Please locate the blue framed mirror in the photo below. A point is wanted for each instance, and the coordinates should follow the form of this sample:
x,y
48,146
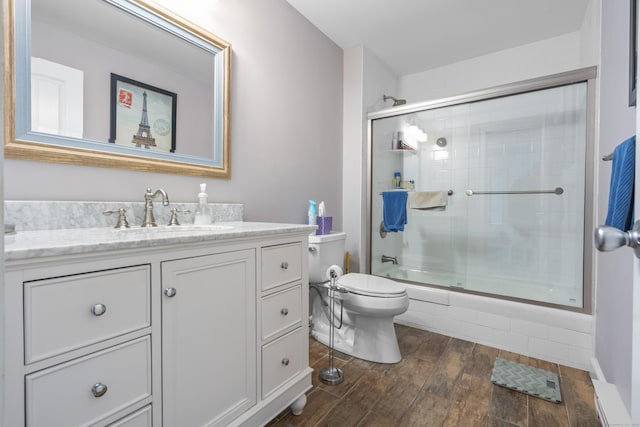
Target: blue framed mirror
x,y
61,107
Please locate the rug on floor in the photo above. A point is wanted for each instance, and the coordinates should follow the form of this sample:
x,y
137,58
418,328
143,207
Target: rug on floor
x,y
526,379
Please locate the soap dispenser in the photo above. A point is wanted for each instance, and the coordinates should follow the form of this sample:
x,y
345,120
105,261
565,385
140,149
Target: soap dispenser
x,y
203,211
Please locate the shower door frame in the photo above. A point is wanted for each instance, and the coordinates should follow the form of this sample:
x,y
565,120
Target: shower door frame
x,y
586,75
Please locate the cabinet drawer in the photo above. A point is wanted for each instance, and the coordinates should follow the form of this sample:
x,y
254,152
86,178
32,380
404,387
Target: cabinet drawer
x,y
281,264
67,313
140,418
281,360
281,311
65,395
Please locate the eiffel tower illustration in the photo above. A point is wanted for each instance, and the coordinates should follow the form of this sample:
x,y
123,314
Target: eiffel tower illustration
x,y
144,137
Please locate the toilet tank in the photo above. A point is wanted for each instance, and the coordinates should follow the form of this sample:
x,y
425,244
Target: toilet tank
x,y
324,251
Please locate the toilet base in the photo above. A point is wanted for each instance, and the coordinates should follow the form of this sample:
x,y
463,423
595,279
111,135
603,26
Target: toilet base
x,y
374,341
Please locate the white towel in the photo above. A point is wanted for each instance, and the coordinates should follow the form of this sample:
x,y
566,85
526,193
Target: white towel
x,y
427,200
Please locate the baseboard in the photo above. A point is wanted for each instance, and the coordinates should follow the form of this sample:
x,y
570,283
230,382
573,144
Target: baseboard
x,y
596,371
609,405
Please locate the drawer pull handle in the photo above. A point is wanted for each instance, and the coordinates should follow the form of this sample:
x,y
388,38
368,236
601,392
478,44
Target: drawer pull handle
x,y
284,311
285,361
98,389
170,292
99,309
284,265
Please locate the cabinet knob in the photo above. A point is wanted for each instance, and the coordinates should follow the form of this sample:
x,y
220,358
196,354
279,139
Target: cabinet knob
x,y
285,361
170,292
98,309
98,389
284,311
284,265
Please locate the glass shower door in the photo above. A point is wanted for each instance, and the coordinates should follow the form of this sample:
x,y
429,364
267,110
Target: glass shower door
x,y
513,169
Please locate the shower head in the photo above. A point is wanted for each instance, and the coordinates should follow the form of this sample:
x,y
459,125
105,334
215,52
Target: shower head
x,y
396,101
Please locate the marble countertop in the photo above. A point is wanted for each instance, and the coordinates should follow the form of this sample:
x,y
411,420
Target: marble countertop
x,y
43,243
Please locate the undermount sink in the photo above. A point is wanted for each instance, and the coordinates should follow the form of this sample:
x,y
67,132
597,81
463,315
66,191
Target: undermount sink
x,y
189,228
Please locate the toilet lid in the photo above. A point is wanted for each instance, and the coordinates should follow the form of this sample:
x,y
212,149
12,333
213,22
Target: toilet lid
x,y
366,284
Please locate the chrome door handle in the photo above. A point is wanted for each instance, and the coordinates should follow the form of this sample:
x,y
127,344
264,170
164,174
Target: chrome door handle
x,y
609,238
284,311
285,361
170,292
284,265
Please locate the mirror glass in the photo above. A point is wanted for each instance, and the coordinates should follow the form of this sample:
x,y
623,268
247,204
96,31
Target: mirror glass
x,y
120,84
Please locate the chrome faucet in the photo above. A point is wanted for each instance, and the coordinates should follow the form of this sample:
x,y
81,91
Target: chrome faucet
x,y
391,259
149,220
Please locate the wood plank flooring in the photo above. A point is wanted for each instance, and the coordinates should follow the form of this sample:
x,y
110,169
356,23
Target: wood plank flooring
x,y
441,381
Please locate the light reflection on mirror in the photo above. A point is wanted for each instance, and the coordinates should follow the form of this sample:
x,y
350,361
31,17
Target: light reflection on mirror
x,y
74,48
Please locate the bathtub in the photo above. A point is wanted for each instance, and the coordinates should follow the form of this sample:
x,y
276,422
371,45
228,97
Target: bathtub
x,y
547,333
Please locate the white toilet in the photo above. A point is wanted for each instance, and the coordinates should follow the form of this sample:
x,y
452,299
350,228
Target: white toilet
x,y
363,310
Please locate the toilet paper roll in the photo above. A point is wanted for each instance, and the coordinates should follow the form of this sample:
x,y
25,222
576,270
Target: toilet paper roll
x,y
337,271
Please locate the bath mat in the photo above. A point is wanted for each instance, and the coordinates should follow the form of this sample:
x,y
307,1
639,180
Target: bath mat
x,y
526,379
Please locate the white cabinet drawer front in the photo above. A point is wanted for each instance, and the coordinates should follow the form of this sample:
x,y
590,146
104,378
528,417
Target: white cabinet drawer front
x,y
70,394
281,360
281,311
71,312
140,418
281,264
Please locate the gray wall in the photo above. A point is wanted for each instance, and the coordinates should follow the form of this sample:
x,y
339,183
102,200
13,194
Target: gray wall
x,y
614,283
366,79
286,123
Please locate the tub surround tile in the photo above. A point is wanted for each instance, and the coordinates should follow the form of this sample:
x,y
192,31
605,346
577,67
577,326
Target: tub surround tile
x,y
462,314
528,328
544,349
580,357
493,321
533,313
512,326
423,293
569,337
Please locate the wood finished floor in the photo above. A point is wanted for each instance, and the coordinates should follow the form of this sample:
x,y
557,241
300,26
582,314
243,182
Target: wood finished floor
x,y
441,381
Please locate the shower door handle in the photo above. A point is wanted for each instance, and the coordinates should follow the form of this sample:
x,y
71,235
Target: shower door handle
x,y
609,238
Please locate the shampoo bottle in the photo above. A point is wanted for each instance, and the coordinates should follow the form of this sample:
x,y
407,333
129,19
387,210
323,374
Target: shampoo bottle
x,y
312,215
203,211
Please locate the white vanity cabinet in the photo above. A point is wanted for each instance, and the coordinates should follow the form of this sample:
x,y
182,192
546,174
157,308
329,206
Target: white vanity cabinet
x,y
79,346
208,338
281,326
201,332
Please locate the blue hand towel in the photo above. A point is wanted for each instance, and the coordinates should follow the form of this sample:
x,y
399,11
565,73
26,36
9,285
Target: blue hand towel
x,y
620,210
394,210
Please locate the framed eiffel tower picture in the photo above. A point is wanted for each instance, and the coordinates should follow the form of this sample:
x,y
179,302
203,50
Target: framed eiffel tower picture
x,y
142,116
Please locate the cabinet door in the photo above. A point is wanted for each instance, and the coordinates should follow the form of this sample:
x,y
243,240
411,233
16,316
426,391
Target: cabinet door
x,y
208,338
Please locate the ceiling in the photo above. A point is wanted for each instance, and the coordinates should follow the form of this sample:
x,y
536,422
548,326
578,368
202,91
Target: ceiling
x,y
416,35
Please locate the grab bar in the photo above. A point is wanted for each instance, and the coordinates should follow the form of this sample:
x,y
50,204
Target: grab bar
x,y
557,190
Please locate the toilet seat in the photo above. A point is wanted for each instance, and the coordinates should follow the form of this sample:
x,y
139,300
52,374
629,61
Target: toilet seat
x,y
371,286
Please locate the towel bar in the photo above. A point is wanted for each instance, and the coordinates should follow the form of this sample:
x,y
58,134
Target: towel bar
x,y
557,190
608,157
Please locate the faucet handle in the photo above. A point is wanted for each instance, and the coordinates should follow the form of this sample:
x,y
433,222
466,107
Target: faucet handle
x,y
174,215
122,217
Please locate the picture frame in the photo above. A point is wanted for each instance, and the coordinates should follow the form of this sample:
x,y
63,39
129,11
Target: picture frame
x,y
142,116
633,51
